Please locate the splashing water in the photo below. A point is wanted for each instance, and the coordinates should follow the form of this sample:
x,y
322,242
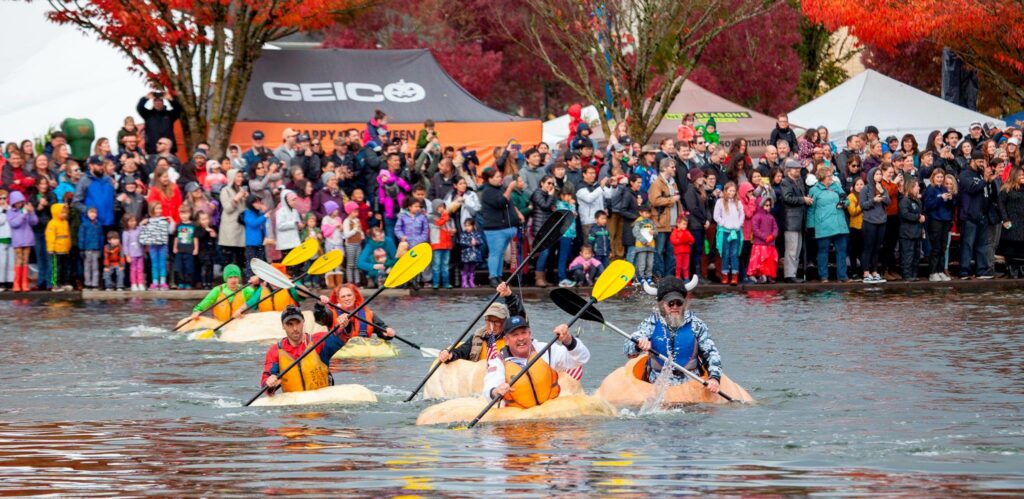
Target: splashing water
x,y
661,385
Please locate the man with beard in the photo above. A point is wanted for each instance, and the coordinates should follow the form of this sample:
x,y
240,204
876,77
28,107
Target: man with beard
x,y
540,384
672,330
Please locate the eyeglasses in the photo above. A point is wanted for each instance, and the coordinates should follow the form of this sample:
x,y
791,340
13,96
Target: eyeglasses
x,y
3,198
675,303
700,143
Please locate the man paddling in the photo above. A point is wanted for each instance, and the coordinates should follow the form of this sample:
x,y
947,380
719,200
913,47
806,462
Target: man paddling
x,y
312,372
490,335
232,290
540,384
677,333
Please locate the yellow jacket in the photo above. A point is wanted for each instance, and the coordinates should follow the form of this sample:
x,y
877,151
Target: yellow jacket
x,y
58,232
855,211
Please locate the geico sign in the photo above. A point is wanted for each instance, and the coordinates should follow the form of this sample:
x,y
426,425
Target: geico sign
x,y
400,91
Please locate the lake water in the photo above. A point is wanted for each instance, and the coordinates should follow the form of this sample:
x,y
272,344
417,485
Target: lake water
x,y
863,392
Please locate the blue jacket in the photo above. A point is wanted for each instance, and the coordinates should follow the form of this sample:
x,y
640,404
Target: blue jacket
x,y
255,227
973,202
96,192
366,262
90,235
936,208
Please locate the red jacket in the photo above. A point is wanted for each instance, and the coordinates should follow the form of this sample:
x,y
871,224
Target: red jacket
x,y
682,241
326,350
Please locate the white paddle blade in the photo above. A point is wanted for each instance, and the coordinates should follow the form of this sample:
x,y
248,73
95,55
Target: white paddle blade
x,y
267,273
429,352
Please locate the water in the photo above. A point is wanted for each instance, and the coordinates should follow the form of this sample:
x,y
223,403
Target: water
x,y
859,393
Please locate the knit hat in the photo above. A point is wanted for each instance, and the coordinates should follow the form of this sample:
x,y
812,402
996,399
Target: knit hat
x,y
326,176
351,206
232,270
330,207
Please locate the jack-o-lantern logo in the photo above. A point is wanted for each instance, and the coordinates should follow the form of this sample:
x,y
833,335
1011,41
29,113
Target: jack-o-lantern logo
x,y
403,91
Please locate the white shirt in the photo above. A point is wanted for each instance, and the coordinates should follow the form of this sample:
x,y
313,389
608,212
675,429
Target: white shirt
x,y
559,358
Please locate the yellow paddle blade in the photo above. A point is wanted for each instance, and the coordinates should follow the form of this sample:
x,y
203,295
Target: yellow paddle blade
x,y
412,264
613,279
301,253
326,263
205,335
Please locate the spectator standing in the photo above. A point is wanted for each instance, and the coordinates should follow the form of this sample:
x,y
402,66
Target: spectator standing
x,y
499,221
911,229
796,201
665,201
1011,244
782,131
231,232
159,120
939,204
827,214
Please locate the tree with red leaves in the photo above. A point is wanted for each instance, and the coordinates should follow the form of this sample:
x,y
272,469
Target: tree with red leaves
x,y
201,52
987,34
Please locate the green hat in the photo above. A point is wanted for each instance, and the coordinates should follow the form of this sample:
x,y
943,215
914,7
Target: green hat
x,y
232,270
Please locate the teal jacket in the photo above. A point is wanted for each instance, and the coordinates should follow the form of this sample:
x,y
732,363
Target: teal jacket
x,y
826,215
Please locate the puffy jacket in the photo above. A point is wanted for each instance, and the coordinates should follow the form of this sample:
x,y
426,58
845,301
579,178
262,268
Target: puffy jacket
x,y
90,236
58,232
590,198
826,215
255,224
21,223
98,192
910,216
286,225
414,229
764,227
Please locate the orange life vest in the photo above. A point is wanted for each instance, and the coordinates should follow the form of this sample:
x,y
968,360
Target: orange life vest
x,y
278,302
226,308
537,386
310,374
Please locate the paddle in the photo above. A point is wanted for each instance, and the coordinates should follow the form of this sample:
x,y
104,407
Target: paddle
x,y
612,280
572,303
549,233
274,277
297,255
412,264
326,263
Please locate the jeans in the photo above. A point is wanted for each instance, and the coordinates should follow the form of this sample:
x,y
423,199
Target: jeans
x,y
731,255
158,263
253,252
42,262
184,265
644,263
92,268
873,236
564,248
439,268
973,243
698,250
113,277
497,241
794,239
839,240
664,255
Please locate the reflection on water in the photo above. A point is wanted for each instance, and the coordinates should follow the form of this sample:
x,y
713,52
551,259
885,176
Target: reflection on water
x,y
860,393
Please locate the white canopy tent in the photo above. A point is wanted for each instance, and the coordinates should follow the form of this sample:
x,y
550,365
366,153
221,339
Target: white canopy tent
x,y
52,72
557,130
895,108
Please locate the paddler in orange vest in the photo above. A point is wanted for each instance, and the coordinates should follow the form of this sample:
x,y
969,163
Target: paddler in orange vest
x,y
489,336
540,384
281,299
347,297
313,371
231,289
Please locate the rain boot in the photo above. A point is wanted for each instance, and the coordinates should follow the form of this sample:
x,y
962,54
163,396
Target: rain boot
x,y
17,279
734,280
464,277
25,286
539,280
472,279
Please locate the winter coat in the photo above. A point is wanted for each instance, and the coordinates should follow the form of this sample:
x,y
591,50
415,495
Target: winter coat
x,y
795,208
169,205
97,192
854,210
973,202
600,240
230,233
765,229
1013,207
159,124
826,215
58,232
415,229
90,235
910,212
786,134
441,228
590,198
873,212
498,212
286,225
470,253
696,209
643,228
571,231
543,207
936,208
130,242
660,198
21,223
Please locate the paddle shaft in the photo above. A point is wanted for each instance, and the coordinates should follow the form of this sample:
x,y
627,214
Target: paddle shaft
x,y
257,304
313,347
211,307
664,358
469,328
360,319
530,364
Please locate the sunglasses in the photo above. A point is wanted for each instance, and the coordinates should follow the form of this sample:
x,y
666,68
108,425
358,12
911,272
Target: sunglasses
x,y
676,303
3,199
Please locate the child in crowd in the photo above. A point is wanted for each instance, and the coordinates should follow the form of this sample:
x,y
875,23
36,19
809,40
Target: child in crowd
x,y
353,232
729,216
470,242
21,217
599,238
380,262
58,245
90,242
113,263
566,202
255,223
643,233
682,246
441,230
334,238
585,268
364,211
130,201
215,179
310,229
133,252
764,257
856,220
412,228
6,250
206,239
153,234
186,247
685,132
911,228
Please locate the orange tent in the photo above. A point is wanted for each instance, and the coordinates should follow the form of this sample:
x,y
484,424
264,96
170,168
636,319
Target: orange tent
x,y
324,92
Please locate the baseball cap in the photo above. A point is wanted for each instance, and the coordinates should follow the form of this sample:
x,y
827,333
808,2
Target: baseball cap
x,y
871,129
1013,140
977,154
513,323
288,132
303,137
257,135
291,312
974,124
498,310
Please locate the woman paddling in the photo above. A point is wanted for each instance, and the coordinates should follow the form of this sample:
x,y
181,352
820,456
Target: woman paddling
x,y
347,297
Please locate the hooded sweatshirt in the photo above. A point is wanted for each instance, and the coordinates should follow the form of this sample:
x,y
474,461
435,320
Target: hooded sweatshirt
x,y
21,222
764,226
873,212
414,229
255,222
287,223
58,232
